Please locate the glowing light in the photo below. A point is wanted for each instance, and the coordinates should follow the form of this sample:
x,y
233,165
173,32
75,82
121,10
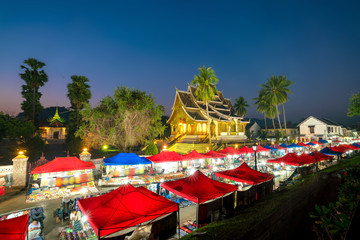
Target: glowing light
x,y
192,171
105,147
85,149
21,153
84,218
162,180
236,146
164,147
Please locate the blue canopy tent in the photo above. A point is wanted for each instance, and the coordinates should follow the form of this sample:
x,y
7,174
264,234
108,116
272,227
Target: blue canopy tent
x,y
356,144
311,144
293,145
126,159
328,151
284,145
271,148
323,141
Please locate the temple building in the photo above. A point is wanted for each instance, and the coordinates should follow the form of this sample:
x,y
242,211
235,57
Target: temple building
x,y
189,116
55,128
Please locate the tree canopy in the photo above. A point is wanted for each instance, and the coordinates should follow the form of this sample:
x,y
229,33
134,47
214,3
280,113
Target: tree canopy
x,y
128,118
34,77
240,106
14,128
354,106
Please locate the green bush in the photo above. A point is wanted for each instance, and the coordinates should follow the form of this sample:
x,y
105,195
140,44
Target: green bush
x,y
151,149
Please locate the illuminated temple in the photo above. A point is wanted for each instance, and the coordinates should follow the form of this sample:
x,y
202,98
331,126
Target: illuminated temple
x,y
189,116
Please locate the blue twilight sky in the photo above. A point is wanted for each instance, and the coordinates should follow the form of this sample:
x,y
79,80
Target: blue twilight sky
x,y
156,46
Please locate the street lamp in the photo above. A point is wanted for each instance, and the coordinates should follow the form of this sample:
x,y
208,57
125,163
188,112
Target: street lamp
x,y
255,147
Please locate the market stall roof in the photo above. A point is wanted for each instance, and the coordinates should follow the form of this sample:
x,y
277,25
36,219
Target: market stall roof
x,y
198,188
340,149
328,151
311,144
289,159
193,155
271,148
356,145
351,146
230,151
293,145
246,150
63,164
14,228
303,144
336,141
212,154
124,207
307,158
166,156
262,149
283,145
323,141
126,159
280,147
315,142
320,156
245,174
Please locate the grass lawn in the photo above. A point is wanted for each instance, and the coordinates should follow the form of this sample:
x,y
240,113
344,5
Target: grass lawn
x,y
237,226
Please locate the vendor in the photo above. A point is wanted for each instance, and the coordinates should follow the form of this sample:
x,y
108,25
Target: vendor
x,y
34,231
75,218
35,186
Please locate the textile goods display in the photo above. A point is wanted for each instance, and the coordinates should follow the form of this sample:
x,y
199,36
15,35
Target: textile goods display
x,y
14,228
166,156
126,159
63,164
198,188
245,174
124,207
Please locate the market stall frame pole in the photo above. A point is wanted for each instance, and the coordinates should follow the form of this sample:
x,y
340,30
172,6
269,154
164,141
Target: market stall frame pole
x,y
98,234
178,213
197,216
255,149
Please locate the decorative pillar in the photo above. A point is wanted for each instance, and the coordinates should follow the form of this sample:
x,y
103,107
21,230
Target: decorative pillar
x,y
20,170
85,155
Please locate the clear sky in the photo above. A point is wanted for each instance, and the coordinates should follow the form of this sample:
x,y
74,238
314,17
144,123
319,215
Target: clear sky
x,y
156,46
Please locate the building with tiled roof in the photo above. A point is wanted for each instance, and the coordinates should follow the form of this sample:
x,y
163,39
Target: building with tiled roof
x,y
189,116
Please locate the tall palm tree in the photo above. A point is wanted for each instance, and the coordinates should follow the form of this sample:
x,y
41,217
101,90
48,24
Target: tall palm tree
x,y
285,84
34,77
261,104
205,89
274,94
78,94
240,106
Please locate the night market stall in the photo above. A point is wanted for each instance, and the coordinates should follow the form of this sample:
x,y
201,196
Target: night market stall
x,y
252,184
61,177
213,198
14,228
128,209
126,168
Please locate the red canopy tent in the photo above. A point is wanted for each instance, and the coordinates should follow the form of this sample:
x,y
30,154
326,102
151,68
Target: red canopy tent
x,y
262,149
229,151
289,159
246,150
198,188
166,156
63,164
193,155
316,142
320,156
307,158
245,174
14,228
302,144
340,149
212,154
352,147
123,208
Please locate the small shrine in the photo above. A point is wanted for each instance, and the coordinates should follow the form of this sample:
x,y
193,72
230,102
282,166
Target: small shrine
x,y
55,129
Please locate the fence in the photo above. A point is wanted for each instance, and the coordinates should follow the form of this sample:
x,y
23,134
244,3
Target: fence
x,y
6,178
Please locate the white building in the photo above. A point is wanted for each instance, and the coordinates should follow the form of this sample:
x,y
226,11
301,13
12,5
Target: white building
x,y
314,128
254,129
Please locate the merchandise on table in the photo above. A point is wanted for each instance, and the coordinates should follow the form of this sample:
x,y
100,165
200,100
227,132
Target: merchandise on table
x,y
134,180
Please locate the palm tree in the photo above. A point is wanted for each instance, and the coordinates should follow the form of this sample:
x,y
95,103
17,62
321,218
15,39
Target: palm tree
x,y
34,77
205,89
240,106
78,94
285,84
262,104
274,94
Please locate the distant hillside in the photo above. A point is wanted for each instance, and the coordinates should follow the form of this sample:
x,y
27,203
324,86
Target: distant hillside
x,y
49,112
